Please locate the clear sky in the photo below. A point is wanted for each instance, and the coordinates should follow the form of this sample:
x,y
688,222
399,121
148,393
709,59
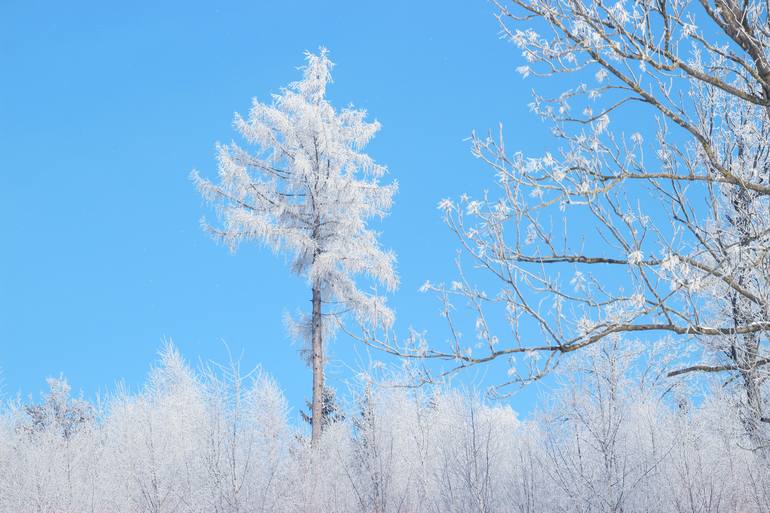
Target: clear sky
x,y
106,107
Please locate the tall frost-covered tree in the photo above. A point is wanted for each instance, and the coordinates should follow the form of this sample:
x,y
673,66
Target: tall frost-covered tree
x,y
307,190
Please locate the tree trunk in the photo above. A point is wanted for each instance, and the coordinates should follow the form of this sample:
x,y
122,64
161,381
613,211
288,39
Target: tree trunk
x,y
317,356
745,348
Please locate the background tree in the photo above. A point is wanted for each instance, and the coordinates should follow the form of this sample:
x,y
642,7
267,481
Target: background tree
x,y
657,222
59,412
56,462
331,410
307,190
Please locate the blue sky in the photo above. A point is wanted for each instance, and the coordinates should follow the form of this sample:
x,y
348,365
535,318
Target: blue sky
x,y
106,107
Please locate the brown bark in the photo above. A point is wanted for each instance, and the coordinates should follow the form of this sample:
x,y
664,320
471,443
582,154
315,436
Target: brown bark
x,y
317,350
318,367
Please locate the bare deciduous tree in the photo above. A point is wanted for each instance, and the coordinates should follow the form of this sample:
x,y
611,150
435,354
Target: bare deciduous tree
x,y
650,217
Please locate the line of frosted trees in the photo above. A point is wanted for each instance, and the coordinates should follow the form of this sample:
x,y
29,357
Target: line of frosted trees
x,y
615,437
